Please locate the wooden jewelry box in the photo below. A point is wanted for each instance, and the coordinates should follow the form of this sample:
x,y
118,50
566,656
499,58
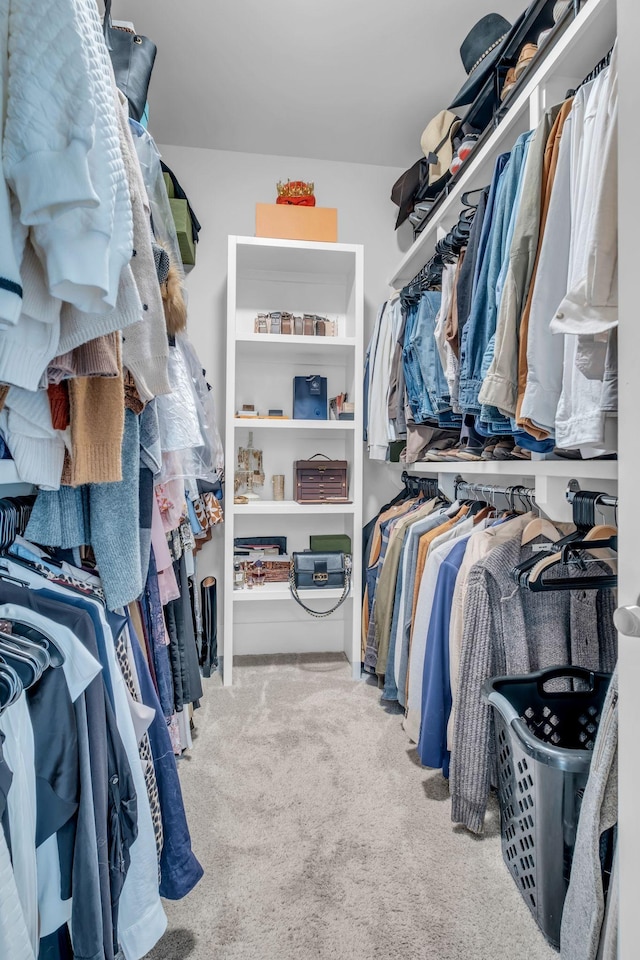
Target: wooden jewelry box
x,y
320,481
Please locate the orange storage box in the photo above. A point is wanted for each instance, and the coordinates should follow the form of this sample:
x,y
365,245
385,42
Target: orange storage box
x,y
282,221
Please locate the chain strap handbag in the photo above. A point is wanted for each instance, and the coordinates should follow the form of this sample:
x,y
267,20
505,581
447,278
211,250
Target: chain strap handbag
x,y
320,571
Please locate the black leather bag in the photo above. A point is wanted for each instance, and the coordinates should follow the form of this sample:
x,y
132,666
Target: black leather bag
x,y
132,57
250,544
320,571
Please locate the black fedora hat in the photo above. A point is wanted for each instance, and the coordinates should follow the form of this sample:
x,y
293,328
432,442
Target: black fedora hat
x,y
480,50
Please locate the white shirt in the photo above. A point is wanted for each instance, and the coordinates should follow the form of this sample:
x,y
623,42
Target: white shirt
x,y
380,370
14,936
19,754
544,350
416,530
582,410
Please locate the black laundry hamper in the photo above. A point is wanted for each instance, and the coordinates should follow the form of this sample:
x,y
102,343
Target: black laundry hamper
x,y
545,729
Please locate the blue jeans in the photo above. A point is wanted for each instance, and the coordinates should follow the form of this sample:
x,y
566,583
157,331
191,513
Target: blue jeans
x,y
481,327
179,868
424,344
417,396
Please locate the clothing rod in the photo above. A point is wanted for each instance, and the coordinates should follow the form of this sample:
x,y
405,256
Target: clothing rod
x,y
416,476
604,499
515,490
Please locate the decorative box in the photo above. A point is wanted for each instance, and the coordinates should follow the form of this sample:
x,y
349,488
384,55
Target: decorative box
x,y
285,222
275,569
330,543
319,481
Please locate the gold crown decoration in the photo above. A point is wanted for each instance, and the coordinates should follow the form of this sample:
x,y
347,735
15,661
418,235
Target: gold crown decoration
x,y
295,188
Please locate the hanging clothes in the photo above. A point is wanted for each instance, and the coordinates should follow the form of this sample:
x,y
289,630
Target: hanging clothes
x,y
445,615
530,358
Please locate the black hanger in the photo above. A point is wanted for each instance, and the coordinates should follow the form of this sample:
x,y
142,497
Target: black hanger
x,y
427,486
570,550
466,202
598,69
446,251
14,516
540,584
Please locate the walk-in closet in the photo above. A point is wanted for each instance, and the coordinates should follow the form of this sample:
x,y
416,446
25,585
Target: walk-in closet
x,y
319,522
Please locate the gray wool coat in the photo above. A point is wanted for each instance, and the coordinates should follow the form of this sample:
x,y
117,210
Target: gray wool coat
x,y
509,630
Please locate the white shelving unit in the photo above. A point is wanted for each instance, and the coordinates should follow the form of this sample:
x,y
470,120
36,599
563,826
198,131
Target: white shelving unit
x,y
585,41
301,277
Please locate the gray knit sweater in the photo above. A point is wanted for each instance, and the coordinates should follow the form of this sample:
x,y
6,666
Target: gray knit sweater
x,y
511,630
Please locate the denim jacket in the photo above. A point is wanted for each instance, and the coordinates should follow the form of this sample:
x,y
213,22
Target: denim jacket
x,y
482,322
417,396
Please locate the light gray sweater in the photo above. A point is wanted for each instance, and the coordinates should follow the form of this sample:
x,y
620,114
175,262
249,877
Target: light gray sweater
x,y
511,630
145,349
585,935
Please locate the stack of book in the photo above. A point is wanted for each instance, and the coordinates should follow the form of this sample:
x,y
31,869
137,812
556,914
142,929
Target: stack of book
x,y
340,408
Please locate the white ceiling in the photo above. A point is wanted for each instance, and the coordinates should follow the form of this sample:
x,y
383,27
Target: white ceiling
x,y
350,80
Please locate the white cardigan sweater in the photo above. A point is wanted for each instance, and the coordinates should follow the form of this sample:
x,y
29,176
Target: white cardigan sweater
x,y
61,151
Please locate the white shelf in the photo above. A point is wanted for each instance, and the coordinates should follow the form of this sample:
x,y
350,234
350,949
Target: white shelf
x,y
589,37
263,423
290,508
281,591
304,257
582,469
275,341
8,472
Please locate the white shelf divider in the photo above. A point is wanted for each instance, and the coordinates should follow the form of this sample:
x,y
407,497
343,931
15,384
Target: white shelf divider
x,y
585,469
8,472
265,423
275,341
290,508
281,592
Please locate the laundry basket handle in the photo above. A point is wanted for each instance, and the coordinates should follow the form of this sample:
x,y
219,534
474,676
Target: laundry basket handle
x,y
569,673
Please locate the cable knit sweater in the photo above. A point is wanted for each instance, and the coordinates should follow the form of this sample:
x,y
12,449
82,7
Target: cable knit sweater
x,y
77,327
27,347
61,151
10,280
511,630
38,449
145,348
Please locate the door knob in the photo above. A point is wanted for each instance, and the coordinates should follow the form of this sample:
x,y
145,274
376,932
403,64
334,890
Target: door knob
x,y
627,621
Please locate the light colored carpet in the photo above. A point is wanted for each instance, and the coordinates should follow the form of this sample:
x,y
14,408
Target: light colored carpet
x,y
323,839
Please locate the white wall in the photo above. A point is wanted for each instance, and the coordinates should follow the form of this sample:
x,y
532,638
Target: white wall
x,y
224,188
